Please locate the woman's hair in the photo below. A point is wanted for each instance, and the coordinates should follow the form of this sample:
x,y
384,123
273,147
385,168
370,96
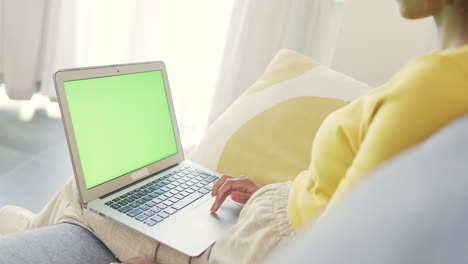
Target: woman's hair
x,y
415,9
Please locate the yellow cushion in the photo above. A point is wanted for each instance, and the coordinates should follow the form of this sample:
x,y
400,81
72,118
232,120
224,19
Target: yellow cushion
x,y
266,134
286,65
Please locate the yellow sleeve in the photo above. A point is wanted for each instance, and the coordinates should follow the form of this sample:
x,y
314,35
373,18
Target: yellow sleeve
x,y
426,95
333,151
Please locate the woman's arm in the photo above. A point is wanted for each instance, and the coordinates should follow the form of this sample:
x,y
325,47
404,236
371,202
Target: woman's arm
x,y
427,94
422,99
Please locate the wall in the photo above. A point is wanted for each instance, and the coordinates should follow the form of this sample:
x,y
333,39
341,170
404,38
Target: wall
x,y
375,41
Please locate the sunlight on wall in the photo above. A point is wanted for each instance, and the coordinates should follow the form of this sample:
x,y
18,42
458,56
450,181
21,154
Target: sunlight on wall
x,y
189,36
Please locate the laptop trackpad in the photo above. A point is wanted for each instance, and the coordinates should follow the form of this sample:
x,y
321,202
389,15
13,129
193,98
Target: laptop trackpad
x,y
226,215
196,230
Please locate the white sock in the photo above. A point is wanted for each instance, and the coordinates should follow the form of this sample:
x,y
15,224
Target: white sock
x,y
14,219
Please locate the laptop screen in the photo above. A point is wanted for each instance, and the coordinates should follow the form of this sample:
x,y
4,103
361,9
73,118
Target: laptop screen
x,y
121,123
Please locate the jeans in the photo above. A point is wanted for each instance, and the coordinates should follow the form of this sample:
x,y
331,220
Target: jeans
x,y
62,243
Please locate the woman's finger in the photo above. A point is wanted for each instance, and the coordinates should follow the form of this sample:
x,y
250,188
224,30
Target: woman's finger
x,y
221,195
138,260
230,185
219,183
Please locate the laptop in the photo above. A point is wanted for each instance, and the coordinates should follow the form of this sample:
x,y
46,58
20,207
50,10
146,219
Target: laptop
x,y
128,160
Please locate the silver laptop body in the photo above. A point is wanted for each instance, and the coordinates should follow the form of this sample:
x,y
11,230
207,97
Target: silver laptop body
x,y
110,113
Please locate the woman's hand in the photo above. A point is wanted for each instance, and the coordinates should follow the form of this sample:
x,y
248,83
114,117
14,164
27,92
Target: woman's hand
x,y
240,190
136,261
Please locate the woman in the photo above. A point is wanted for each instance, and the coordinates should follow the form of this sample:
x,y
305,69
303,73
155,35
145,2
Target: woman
x,y
427,94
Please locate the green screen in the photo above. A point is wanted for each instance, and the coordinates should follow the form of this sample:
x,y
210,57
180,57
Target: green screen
x,y
121,123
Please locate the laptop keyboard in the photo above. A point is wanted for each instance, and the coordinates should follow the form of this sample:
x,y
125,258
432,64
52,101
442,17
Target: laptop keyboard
x,y
155,201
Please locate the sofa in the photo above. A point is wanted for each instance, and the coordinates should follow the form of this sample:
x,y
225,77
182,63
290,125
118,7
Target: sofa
x,y
409,210
412,209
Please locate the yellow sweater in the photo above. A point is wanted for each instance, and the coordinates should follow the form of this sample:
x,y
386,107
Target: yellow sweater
x,y
427,94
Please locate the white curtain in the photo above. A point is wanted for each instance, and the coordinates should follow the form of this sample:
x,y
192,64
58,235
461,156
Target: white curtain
x,y
43,36
37,37
259,28
213,49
